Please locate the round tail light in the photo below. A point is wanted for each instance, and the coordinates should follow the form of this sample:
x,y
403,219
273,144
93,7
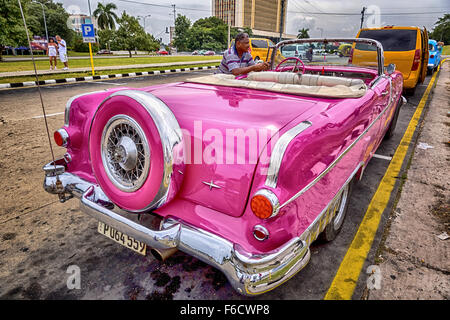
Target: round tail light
x,y
264,204
260,233
61,137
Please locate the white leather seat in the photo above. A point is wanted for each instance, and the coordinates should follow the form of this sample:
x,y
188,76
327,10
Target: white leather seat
x,y
305,79
264,81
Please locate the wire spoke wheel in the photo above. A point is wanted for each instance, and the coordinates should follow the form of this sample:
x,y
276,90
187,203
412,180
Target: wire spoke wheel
x,y
125,153
339,213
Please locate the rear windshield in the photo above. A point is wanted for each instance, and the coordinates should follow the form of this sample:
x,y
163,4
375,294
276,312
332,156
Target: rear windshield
x,y
259,43
391,39
431,47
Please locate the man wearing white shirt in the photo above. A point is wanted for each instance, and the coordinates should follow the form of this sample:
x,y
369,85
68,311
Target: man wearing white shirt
x,y
62,49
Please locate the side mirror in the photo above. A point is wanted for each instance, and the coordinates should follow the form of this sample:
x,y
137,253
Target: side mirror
x,y
390,69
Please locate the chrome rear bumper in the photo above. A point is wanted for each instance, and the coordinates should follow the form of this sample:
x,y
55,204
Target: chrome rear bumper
x,y
249,274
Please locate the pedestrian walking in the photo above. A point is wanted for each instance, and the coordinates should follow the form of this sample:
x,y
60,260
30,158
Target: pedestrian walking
x,y
62,49
52,51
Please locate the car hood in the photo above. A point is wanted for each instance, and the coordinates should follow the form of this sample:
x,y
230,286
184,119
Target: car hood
x,y
231,127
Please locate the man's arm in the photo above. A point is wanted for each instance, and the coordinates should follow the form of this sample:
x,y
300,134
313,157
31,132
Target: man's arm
x,y
245,70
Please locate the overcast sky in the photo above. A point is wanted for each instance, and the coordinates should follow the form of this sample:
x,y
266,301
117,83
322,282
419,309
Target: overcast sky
x,y
320,18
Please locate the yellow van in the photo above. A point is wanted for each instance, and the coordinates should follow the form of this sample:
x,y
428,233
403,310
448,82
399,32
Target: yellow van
x,y
406,47
259,48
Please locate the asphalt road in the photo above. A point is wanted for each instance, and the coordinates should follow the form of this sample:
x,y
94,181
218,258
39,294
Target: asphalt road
x,y
41,238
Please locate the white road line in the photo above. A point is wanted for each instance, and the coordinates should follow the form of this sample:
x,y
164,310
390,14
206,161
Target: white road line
x,y
379,156
48,115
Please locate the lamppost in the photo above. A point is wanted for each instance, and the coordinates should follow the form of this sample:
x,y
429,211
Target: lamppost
x,y
321,31
45,21
143,17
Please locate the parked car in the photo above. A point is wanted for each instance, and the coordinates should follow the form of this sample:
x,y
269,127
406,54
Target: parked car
x,y
158,173
104,51
297,50
195,53
406,47
162,52
209,53
435,55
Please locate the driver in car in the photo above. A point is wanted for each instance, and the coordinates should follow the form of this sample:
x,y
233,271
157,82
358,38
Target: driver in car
x,y
237,60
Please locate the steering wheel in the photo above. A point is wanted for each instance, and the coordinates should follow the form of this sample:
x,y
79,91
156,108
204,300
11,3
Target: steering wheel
x,y
292,58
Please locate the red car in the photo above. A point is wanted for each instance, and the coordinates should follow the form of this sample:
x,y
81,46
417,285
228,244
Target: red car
x,y
163,52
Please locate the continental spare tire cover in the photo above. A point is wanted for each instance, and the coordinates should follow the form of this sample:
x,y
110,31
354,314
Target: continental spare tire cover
x,y
136,150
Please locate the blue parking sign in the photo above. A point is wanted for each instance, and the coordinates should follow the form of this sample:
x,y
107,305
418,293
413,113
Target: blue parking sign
x,y
88,30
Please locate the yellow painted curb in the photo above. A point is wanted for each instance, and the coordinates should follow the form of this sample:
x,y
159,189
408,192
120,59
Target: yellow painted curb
x,y
346,278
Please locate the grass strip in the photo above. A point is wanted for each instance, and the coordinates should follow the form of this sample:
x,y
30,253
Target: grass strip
x,y
97,73
11,66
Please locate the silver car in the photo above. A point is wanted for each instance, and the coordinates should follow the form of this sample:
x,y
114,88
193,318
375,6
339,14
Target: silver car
x,y
294,50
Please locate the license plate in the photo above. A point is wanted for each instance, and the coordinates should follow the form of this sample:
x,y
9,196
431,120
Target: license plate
x,y
123,239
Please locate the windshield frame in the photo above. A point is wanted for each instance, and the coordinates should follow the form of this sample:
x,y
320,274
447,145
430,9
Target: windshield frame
x,y
380,51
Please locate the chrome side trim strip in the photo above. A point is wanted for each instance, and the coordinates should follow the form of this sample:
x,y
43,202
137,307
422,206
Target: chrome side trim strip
x,y
327,214
333,164
278,152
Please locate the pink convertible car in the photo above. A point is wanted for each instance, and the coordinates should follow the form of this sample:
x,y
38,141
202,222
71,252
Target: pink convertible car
x,y
242,173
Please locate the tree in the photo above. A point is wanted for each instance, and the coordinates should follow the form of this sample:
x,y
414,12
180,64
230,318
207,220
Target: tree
x,y
207,33
106,37
182,25
131,35
80,46
441,31
303,33
56,17
105,15
12,30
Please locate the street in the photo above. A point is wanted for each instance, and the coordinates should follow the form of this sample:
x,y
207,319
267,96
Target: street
x,y
41,238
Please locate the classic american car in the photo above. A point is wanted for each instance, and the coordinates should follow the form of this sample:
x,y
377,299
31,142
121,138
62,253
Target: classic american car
x,y
243,173
435,56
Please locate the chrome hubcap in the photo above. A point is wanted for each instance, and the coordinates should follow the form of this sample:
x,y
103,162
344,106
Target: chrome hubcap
x,y
125,153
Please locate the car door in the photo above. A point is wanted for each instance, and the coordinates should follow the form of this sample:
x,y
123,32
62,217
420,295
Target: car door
x,y
383,91
425,54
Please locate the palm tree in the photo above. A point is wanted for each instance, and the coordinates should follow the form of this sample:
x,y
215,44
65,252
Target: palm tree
x,y
303,33
105,16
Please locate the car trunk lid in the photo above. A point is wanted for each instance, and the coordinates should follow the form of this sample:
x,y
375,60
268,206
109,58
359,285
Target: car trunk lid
x,y
225,131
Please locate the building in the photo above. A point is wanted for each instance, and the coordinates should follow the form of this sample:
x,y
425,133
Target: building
x,y
76,20
264,17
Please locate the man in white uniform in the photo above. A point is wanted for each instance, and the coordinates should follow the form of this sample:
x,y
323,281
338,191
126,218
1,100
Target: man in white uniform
x,y
62,49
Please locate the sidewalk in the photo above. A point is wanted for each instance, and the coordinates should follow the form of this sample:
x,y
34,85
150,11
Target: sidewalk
x,y
132,66
415,261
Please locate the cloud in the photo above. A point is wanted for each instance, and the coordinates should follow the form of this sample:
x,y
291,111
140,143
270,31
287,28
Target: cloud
x,y
332,25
